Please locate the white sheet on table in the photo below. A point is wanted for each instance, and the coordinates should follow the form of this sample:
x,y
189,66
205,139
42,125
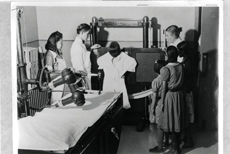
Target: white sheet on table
x,y
61,128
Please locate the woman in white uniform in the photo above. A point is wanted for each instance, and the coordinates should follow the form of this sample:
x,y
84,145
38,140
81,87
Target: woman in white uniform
x,y
172,35
55,62
80,56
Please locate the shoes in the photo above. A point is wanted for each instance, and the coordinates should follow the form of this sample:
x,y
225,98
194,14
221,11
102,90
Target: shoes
x,y
174,150
141,126
171,151
188,143
156,150
165,145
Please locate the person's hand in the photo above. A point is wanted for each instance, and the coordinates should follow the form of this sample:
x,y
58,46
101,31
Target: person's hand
x,y
95,46
163,49
83,73
72,69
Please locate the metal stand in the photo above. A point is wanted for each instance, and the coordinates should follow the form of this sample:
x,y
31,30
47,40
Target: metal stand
x,y
126,23
23,80
122,23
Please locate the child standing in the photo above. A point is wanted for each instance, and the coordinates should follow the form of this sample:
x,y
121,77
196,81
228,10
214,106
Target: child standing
x,y
171,118
155,107
184,51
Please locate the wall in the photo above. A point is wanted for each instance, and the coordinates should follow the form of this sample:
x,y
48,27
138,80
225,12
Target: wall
x,y
29,26
208,90
66,20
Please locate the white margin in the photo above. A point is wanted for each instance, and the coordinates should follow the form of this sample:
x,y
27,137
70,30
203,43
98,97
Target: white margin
x,y
96,3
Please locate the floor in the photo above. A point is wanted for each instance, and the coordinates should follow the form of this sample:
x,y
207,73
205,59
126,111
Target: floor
x,y
134,142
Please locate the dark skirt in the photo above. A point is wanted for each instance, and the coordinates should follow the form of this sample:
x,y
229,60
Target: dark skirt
x,y
172,117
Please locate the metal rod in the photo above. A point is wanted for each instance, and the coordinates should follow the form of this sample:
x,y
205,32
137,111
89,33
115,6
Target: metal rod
x,y
145,32
20,49
154,26
94,29
24,81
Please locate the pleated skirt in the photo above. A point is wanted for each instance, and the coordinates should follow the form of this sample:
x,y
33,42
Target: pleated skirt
x,y
171,118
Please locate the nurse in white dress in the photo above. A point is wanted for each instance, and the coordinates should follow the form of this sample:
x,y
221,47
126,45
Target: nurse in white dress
x,y
172,35
115,64
55,62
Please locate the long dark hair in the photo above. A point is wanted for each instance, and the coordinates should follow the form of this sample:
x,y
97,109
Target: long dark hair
x,y
184,47
52,40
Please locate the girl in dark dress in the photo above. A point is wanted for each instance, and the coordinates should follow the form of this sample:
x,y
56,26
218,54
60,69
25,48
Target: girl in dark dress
x,y
171,119
155,107
188,63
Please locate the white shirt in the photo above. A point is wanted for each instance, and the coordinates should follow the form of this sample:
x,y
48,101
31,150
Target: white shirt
x,y
178,40
80,58
114,69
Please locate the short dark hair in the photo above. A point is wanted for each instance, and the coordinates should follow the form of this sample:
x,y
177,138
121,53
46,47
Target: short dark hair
x,y
114,49
185,47
52,40
83,28
158,65
172,53
114,46
174,30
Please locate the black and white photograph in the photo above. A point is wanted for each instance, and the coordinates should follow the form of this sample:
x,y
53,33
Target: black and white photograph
x,y
117,77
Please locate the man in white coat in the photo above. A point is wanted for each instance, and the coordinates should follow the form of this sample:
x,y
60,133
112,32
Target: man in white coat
x,y
115,64
80,56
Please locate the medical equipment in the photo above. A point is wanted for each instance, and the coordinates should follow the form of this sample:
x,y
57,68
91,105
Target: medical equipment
x,y
23,81
67,76
100,79
144,56
71,79
144,23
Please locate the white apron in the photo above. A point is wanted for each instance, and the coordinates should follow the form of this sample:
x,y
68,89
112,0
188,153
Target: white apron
x,y
61,64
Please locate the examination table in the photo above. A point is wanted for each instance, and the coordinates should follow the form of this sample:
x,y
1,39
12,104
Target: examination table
x,y
93,128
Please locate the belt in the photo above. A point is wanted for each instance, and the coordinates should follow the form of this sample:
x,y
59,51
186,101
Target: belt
x,y
175,90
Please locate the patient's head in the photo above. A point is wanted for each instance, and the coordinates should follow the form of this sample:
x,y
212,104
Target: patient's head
x,y
114,49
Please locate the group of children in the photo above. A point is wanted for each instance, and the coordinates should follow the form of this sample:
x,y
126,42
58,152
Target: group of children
x,y
172,105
